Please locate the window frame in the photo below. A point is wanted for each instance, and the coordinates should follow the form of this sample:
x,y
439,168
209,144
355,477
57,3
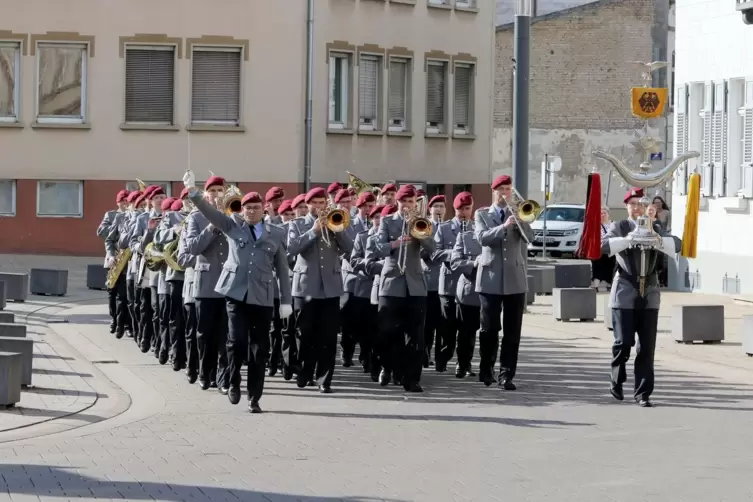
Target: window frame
x,y
470,127
12,213
85,47
80,199
442,130
379,123
16,79
201,47
346,98
466,4
149,47
406,126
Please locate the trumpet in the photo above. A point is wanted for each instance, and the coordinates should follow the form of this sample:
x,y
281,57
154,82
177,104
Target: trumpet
x,y
416,225
333,220
525,210
231,202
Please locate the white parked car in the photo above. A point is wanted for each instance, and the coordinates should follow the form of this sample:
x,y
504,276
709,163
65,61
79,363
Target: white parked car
x,y
564,227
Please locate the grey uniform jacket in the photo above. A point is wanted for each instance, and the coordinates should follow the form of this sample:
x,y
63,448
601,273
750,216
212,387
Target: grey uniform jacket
x,y
364,270
248,274
140,238
318,268
463,261
502,270
117,238
209,247
357,225
624,289
445,238
274,220
187,261
126,226
374,263
391,281
103,230
432,266
165,234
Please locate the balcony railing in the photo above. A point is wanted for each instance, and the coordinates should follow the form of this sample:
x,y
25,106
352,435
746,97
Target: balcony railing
x,y
744,4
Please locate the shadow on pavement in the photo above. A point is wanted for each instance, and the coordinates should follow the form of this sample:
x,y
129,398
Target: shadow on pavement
x,y
53,481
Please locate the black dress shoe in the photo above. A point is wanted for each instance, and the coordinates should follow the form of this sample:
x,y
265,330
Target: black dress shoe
x,y
469,371
374,376
144,348
486,379
271,371
413,387
644,403
224,391
287,373
119,334
234,395
177,366
460,372
325,389
112,328
616,390
191,377
253,407
347,362
203,384
128,333
301,382
384,378
213,384
507,384
163,357
311,383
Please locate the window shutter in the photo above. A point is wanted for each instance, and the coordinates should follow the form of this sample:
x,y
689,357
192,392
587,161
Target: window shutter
x,y
747,189
397,93
707,161
150,82
719,158
216,86
681,138
463,76
435,95
368,90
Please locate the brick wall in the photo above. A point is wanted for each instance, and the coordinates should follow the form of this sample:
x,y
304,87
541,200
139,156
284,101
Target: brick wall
x,y
580,75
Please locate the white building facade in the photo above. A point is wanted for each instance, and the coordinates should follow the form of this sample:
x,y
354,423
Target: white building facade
x,y
714,116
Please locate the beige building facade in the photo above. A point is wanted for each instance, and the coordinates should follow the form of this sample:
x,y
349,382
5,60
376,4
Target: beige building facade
x,y
94,96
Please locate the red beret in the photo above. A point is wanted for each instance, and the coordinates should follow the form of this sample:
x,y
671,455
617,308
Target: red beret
x,y
389,209
365,198
376,210
315,193
122,195
157,191
177,205
151,188
184,193
341,194
389,187
214,181
298,200
437,198
420,193
274,193
334,187
133,196
251,198
462,199
167,203
285,206
633,192
501,180
406,191
141,198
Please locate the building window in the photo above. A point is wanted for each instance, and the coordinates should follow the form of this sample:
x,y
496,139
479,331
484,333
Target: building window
x,y
216,85
681,136
166,186
747,141
707,142
456,189
719,131
398,94
463,102
439,2
60,199
339,90
10,73
61,82
7,198
436,97
465,4
369,92
150,85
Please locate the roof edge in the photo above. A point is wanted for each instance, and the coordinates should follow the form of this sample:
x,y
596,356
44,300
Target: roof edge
x,y
562,13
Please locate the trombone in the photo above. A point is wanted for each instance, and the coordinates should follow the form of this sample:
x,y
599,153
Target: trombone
x,y
418,226
523,210
333,220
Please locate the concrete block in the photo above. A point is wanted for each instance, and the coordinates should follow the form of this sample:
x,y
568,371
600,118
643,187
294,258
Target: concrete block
x,y
543,278
531,294
3,295
574,303
748,334
7,317
572,274
16,286
608,314
11,368
45,281
96,277
698,323
13,330
25,347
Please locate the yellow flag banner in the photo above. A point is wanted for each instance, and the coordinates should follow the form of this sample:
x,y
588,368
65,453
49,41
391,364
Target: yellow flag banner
x,y
648,102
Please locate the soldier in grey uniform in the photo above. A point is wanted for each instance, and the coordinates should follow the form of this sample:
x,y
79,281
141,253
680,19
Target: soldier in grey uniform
x,y
317,288
632,313
350,321
402,293
285,348
464,260
256,254
162,344
118,295
126,226
432,267
102,232
188,262
206,242
273,199
502,283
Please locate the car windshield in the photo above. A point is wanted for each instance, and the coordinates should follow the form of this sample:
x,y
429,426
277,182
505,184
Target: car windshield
x,y
574,214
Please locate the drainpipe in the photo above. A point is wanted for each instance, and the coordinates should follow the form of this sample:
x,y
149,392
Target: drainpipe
x,y
307,142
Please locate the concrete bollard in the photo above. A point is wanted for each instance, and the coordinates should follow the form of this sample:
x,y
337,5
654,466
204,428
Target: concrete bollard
x,y
16,286
574,303
11,368
572,274
14,330
698,323
45,281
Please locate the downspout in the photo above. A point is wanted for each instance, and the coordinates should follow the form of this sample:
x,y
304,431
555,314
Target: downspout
x,y
307,142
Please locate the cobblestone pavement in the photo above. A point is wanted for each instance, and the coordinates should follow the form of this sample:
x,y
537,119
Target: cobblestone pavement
x,y
559,437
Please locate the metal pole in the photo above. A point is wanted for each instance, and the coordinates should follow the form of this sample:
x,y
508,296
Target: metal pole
x,y
520,128
609,184
546,199
309,95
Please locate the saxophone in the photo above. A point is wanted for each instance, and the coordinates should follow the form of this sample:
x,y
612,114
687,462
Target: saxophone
x,y
121,260
170,251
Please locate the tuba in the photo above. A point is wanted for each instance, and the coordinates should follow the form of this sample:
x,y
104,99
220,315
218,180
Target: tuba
x,y
418,226
231,202
360,185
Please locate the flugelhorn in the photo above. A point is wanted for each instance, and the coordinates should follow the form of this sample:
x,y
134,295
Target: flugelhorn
x,y
231,202
418,226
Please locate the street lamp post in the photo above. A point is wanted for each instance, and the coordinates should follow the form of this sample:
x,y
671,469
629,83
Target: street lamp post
x,y
520,125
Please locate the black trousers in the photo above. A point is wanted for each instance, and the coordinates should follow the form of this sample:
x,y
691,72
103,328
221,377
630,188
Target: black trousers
x,y
431,324
163,318
469,320
447,332
627,323
401,330
146,324
176,323
132,306
511,308
154,299
121,317
290,342
111,295
192,351
366,313
274,352
318,323
211,337
349,325
248,337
